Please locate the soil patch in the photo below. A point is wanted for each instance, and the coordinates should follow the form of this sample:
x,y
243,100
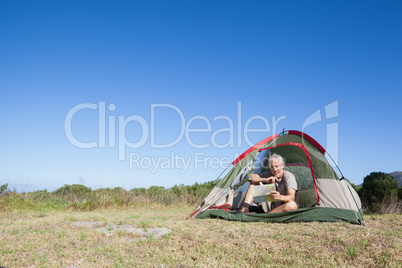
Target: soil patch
x,y
109,229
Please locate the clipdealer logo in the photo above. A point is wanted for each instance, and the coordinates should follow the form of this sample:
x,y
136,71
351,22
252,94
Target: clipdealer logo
x,y
111,133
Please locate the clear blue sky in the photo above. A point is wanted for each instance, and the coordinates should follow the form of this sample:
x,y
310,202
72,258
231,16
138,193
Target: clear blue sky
x,y
149,73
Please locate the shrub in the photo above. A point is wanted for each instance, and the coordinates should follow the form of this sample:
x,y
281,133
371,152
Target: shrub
x,y
3,189
377,187
74,192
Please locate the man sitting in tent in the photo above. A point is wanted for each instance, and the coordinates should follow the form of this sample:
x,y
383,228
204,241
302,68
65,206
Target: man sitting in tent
x,y
286,187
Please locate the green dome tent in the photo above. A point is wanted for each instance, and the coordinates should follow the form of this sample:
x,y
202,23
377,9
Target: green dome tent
x,y
323,195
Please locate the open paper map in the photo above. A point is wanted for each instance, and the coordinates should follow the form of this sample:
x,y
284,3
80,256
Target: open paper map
x,y
261,192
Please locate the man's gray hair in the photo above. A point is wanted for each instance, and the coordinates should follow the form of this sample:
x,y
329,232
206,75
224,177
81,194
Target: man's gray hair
x,y
276,157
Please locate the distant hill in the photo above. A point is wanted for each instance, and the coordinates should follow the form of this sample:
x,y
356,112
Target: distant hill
x,y
397,175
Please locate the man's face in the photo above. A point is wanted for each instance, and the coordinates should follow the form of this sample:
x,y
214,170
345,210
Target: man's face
x,y
276,168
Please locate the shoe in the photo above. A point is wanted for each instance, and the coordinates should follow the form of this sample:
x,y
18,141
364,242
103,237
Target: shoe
x,y
243,210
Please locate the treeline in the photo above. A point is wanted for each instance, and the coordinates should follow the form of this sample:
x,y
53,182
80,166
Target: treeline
x,y
81,197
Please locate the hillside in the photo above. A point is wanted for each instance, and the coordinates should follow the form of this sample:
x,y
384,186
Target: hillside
x,y
397,175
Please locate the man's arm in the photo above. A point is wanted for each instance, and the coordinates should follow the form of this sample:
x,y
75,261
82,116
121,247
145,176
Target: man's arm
x,y
291,193
256,179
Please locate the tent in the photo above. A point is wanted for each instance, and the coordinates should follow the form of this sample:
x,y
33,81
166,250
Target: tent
x,y
323,194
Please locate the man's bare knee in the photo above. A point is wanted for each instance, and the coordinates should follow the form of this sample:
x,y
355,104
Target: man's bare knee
x,y
291,205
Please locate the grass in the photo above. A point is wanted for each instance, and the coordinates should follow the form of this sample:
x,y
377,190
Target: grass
x,y
36,239
36,231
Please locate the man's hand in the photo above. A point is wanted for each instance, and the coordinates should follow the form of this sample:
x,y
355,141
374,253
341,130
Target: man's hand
x,y
284,198
272,180
276,195
255,179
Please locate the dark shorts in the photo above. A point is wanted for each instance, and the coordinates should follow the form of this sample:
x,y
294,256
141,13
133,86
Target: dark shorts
x,y
256,209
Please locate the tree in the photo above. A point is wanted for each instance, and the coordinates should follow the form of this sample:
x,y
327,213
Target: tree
x,y
376,187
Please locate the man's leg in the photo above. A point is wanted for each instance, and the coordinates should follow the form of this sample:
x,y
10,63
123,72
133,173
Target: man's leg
x,y
247,201
288,206
249,196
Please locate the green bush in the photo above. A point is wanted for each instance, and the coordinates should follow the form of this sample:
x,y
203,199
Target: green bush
x,y
377,187
74,192
3,189
77,189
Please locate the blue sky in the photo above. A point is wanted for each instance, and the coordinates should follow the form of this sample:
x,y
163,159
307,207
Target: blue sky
x,y
163,69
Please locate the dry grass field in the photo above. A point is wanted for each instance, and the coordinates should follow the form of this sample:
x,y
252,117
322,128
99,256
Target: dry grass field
x,y
50,239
